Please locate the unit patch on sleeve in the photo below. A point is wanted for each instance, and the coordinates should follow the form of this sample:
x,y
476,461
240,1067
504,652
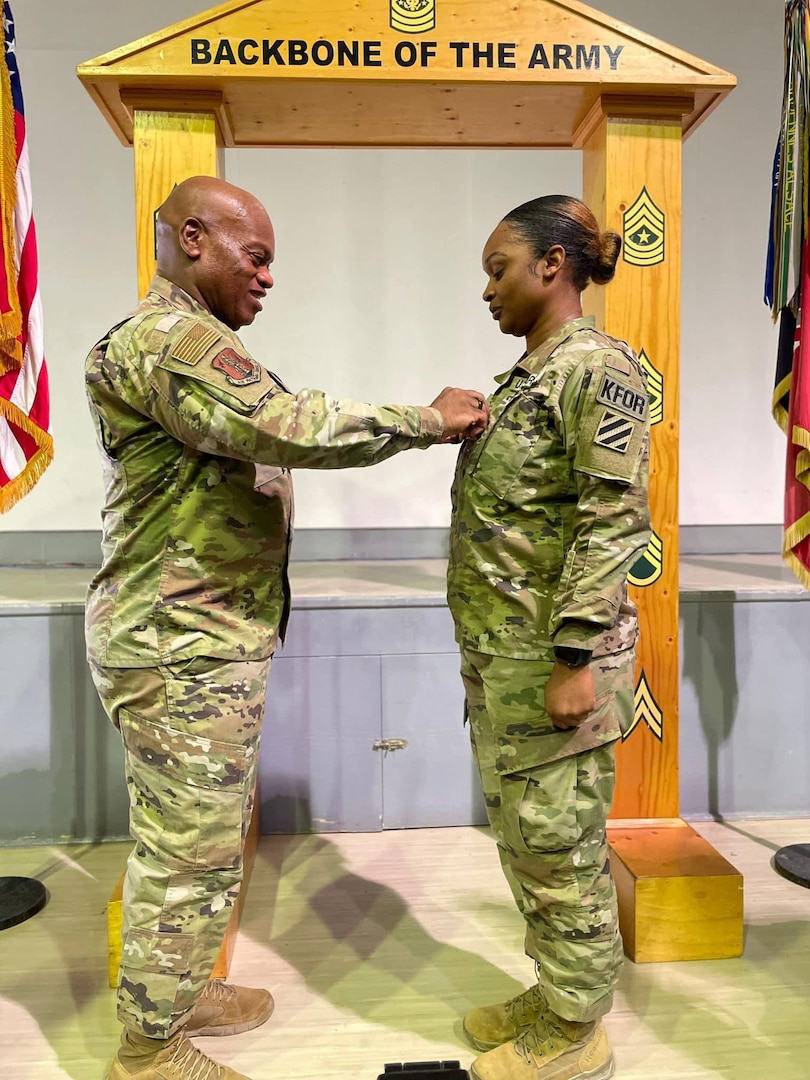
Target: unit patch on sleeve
x,y
615,432
616,394
238,370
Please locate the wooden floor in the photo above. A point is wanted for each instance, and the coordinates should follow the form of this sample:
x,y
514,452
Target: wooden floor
x,y
375,945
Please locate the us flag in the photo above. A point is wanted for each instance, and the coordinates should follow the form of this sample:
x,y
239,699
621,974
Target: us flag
x,y
26,446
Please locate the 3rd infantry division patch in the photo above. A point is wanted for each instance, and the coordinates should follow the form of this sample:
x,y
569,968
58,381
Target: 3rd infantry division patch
x,y
614,432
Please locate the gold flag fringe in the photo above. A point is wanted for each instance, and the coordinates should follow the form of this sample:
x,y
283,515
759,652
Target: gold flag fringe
x,y
35,467
778,410
799,530
11,320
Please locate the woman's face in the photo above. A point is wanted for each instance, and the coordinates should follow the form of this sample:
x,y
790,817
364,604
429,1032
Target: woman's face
x,y
515,291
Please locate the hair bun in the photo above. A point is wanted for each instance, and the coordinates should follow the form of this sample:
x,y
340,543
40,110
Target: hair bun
x,y
610,246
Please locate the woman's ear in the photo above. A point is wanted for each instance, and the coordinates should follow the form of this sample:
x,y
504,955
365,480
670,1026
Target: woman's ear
x,y
552,262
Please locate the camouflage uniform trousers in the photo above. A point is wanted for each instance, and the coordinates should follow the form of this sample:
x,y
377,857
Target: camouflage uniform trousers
x,y
549,814
191,735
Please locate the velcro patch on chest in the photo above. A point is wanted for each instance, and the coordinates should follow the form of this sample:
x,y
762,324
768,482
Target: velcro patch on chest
x,y
616,394
615,432
195,343
238,370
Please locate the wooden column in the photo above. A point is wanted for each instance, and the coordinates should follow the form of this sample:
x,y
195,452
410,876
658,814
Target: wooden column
x,y
169,147
632,180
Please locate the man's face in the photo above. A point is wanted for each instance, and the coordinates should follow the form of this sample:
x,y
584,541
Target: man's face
x,y
232,272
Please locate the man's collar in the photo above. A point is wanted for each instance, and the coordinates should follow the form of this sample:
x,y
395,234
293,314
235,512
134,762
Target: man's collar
x,y
534,361
177,297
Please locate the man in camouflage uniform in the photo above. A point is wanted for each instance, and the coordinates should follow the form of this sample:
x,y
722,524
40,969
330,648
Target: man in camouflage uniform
x,y
549,515
197,440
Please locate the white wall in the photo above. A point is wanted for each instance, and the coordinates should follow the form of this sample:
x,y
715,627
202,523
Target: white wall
x,y
378,274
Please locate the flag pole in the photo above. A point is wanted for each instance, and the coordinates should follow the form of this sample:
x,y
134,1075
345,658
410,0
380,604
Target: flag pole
x,y
787,290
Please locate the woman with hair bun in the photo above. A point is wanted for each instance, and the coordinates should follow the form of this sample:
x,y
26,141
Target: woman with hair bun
x,y
549,515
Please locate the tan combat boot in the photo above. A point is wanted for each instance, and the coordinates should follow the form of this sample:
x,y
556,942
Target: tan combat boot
x,y
175,1059
552,1049
493,1025
223,1009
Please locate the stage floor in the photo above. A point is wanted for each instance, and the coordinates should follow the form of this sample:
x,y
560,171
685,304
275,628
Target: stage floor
x,y
374,946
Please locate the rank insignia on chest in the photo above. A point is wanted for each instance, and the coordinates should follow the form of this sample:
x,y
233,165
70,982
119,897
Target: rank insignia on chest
x,y
614,432
238,370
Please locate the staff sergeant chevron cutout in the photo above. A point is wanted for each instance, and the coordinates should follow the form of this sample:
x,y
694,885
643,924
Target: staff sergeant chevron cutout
x,y
644,229
655,388
412,16
646,710
648,569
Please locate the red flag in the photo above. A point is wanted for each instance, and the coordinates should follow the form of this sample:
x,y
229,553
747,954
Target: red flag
x,y
26,446
796,546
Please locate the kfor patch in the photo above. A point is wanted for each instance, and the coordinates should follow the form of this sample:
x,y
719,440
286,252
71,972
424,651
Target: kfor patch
x,y
615,432
626,399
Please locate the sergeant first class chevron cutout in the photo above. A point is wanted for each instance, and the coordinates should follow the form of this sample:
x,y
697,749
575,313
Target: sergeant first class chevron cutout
x,y
646,710
655,388
650,566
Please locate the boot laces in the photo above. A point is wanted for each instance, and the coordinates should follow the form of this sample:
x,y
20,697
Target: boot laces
x,y
195,1064
216,990
542,1038
525,1007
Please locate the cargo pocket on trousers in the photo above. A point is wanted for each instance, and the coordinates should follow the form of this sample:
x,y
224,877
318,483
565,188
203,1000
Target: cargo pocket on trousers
x,y
164,954
539,811
186,795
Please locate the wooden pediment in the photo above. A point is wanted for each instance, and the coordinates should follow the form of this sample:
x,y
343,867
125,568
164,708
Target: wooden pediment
x,y
401,73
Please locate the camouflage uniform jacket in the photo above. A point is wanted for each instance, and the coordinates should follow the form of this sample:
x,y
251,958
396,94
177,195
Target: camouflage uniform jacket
x,y
197,440
550,504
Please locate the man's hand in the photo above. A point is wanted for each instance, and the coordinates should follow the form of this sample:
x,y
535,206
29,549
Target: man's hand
x,y
570,695
465,413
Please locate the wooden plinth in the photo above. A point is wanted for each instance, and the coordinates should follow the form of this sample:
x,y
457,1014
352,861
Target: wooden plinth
x,y
678,898
222,966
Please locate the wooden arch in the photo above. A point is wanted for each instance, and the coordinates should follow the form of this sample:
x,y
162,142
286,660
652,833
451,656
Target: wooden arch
x,y
481,73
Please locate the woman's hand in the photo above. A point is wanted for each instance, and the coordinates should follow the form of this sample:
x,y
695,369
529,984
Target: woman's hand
x,y
570,695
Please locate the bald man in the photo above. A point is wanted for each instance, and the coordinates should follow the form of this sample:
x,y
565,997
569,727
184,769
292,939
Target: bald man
x,y
197,440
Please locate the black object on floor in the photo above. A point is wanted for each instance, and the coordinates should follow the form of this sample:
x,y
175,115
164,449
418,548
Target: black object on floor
x,y
793,863
425,1070
20,898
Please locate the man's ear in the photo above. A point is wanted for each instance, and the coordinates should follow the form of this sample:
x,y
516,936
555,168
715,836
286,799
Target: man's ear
x,y
552,262
192,232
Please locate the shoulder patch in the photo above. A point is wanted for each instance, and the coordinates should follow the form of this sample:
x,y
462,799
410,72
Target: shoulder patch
x,y
192,346
238,370
615,432
616,394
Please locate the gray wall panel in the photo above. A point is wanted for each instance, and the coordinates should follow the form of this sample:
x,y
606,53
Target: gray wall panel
x,y
745,709
744,730
318,770
61,761
369,631
433,781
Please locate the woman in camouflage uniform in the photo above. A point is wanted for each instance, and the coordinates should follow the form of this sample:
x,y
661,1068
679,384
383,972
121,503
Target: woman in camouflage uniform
x,y
549,514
